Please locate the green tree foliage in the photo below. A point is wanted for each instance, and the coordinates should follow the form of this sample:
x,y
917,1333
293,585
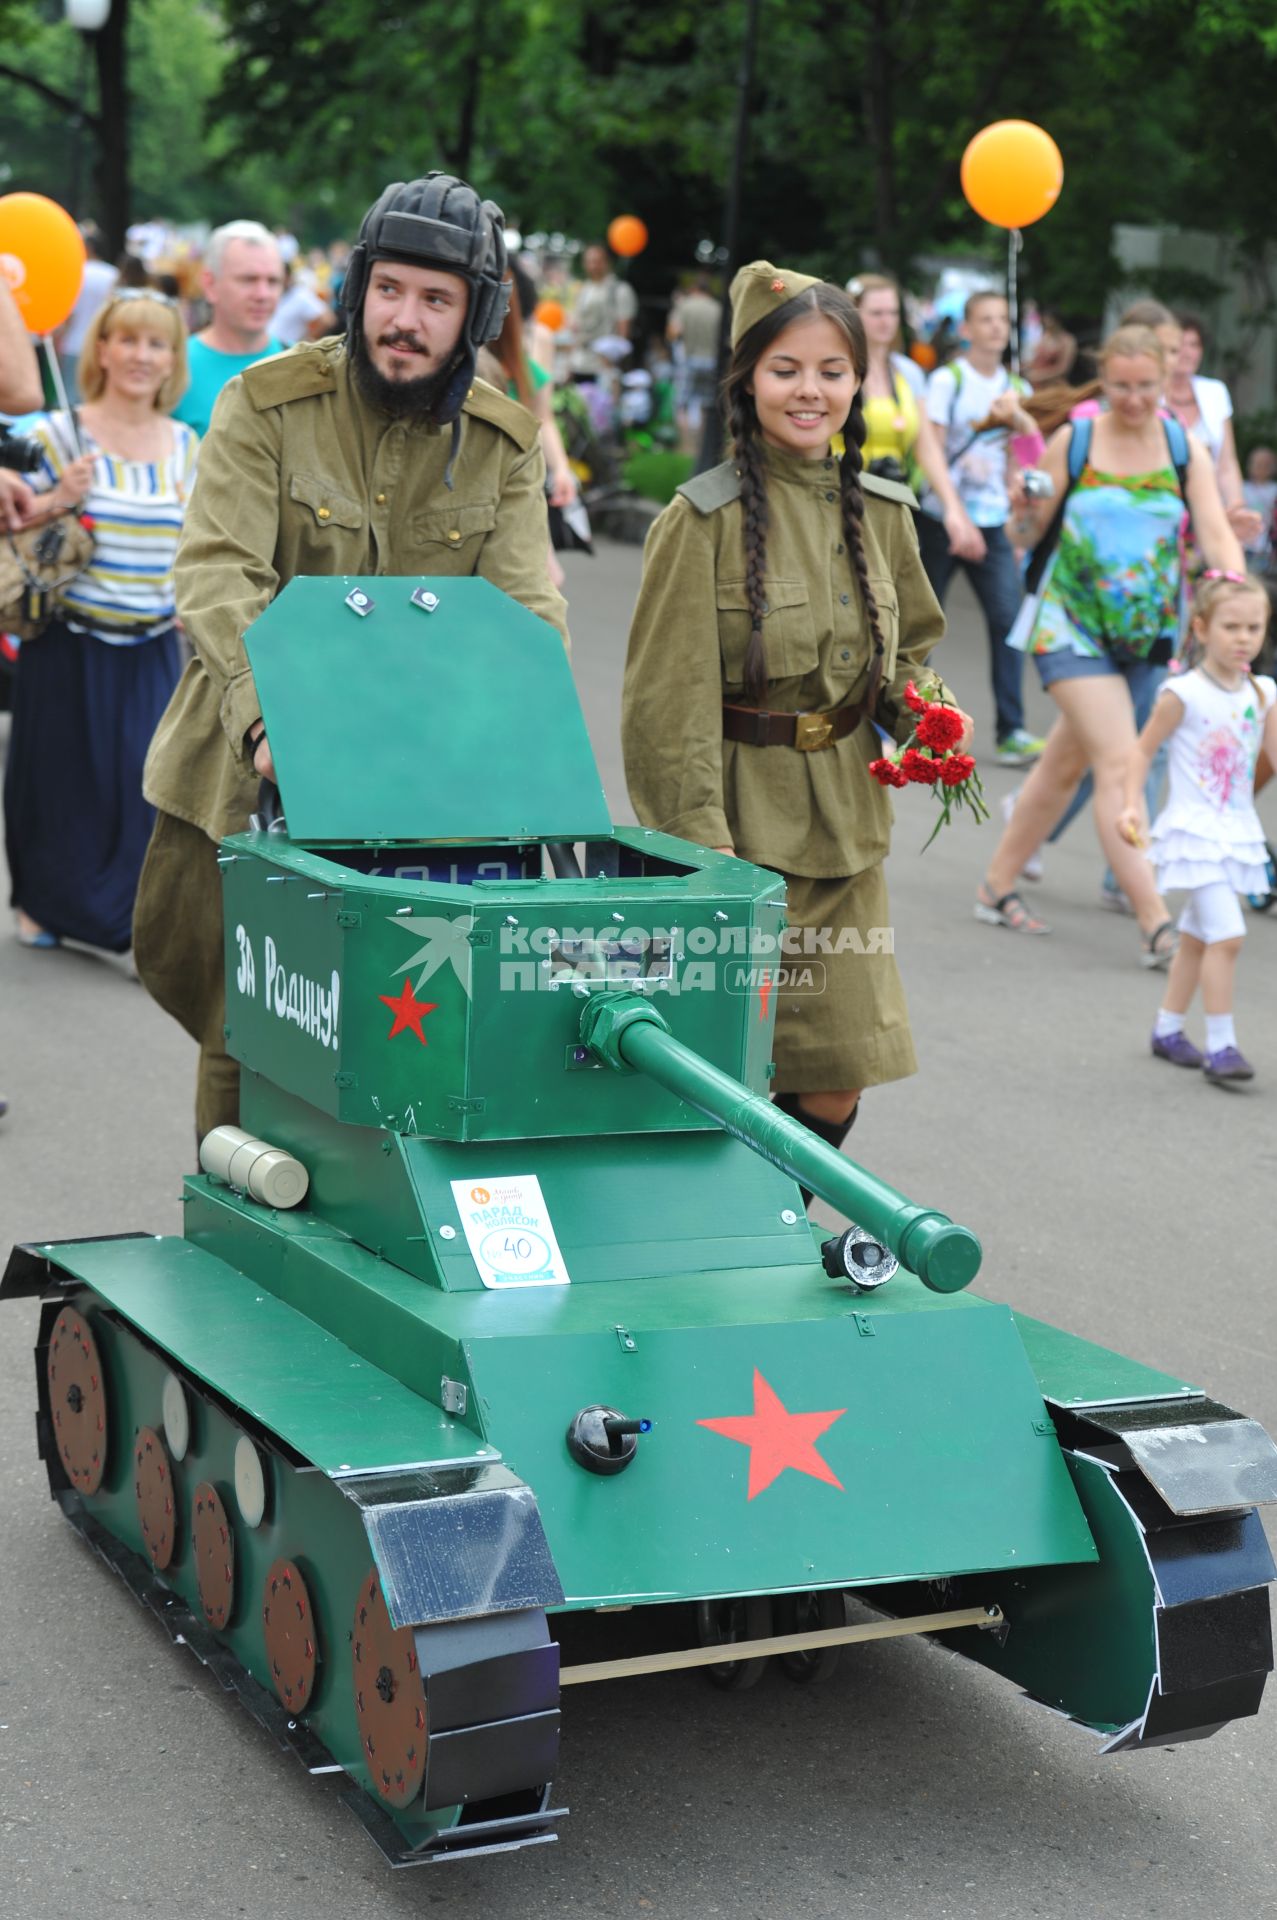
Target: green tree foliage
x,y
45,140
570,111
50,131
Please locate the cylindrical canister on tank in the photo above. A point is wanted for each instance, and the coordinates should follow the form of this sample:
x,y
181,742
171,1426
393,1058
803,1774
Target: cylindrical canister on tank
x,y
254,1167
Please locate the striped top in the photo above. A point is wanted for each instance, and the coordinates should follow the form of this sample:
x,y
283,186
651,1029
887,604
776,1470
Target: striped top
x,y
136,506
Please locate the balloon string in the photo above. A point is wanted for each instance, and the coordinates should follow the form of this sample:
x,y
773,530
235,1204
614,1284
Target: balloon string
x,y
1015,240
59,386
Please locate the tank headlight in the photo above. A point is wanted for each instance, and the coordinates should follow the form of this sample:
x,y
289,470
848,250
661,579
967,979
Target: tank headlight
x,y
856,1256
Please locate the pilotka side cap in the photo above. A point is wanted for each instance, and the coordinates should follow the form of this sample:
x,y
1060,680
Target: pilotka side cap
x,y
759,289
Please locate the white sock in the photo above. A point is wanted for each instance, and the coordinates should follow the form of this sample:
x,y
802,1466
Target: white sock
x,y
1168,1023
1220,1032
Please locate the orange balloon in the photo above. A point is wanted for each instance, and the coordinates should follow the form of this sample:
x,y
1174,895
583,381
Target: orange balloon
x,y
41,257
923,354
550,314
1012,173
627,235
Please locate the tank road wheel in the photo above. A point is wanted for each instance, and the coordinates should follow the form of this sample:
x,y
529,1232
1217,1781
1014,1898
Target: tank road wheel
x,y
213,1544
77,1401
288,1623
720,1622
810,1613
156,1496
390,1700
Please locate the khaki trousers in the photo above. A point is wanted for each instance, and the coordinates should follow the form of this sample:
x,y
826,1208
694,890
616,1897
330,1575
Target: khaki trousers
x,y
177,948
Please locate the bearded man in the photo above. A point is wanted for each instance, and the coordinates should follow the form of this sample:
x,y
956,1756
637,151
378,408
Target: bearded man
x,y
372,452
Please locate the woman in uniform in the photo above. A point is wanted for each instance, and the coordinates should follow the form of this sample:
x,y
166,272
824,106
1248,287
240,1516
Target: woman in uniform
x,y
783,603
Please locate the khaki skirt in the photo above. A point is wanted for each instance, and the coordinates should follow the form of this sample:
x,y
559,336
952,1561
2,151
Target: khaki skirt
x,y
841,1016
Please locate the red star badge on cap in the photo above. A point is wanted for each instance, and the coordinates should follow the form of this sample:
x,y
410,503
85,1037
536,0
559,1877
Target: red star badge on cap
x,y
778,286
408,1012
777,1438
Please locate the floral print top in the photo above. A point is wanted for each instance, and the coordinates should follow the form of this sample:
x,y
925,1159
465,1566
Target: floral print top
x,y
1114,581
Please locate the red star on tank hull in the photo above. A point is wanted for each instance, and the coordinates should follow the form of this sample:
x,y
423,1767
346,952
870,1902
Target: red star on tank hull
x,y
409,1012
777,1438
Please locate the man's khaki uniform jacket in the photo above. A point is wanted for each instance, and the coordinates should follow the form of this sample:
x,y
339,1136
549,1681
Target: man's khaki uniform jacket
x,y
300,475
818,814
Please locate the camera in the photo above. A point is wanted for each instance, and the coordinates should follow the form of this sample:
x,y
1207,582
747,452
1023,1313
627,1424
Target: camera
x,y
19,452
889,468
1037,485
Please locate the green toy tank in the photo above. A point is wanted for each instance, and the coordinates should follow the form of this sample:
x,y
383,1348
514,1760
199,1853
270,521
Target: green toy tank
x,y
502,1305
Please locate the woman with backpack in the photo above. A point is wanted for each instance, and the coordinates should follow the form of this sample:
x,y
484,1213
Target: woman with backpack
x,y
1107,618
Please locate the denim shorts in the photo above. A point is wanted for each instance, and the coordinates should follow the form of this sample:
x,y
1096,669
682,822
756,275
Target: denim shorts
x,y
1067,665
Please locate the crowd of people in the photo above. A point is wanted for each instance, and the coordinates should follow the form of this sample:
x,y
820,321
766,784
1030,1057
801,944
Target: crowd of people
x,y
791,597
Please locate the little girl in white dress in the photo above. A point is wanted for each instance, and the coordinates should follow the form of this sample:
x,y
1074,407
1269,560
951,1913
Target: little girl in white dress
x,y
1208,839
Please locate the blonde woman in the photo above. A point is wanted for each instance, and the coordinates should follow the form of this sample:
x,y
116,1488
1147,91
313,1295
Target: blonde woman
x,y
90,689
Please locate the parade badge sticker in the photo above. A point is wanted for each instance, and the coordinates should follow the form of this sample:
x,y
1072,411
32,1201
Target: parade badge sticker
x,y
509,1231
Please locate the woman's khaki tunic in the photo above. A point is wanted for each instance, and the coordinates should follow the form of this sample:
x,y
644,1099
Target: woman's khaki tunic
x,y
818,818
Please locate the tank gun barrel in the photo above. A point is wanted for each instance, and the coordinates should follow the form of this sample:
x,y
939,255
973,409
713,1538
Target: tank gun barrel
x,y
628,1033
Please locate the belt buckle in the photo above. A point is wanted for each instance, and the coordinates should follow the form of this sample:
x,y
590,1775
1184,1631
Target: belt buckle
x,y
812,731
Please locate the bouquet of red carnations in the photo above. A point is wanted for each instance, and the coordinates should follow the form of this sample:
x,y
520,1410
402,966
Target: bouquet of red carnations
x,y
930,758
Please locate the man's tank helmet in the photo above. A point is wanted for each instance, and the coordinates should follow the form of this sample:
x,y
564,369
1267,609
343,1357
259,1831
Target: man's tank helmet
x,y
438,221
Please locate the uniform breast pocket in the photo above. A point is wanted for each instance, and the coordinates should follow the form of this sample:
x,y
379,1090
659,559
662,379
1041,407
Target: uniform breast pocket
x,y
327,507
449,539
789,631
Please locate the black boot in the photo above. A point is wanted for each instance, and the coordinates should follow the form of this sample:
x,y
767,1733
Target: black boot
x,y
832,1131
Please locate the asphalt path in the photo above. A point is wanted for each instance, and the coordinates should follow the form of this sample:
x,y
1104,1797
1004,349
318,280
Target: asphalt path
x,y
1115,1196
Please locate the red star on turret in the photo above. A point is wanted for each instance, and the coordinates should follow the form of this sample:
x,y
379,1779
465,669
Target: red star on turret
x,y
778,1439
408,1012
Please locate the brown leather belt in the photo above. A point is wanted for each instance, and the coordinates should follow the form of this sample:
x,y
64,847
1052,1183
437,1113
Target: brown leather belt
x,y
808,732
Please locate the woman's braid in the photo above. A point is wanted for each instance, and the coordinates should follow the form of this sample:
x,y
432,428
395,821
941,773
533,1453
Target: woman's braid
x,y
853,514
753,499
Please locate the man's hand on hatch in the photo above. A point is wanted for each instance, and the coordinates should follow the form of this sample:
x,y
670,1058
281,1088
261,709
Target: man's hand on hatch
x,y
263,762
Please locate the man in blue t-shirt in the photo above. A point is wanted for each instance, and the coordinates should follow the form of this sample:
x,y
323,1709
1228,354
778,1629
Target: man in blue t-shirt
x,y
243,280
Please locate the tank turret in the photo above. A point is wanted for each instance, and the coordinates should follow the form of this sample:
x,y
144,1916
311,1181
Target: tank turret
x,y
502,1305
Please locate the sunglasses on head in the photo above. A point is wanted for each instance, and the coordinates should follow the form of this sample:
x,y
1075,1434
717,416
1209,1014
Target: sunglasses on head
x,y
142,293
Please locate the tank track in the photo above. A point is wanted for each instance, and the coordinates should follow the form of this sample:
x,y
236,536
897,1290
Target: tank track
x,y
1168,1637
466,1709
533,1828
